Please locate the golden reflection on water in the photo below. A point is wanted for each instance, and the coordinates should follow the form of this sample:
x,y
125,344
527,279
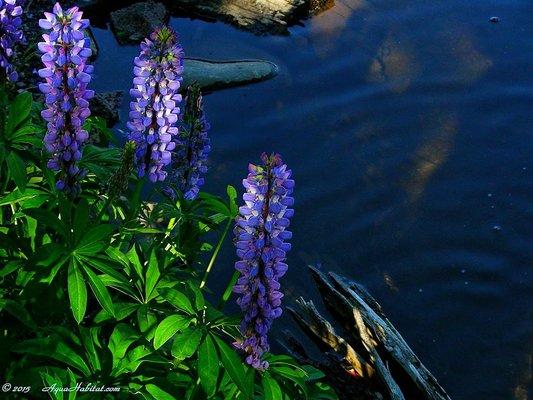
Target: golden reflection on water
x,y
470,64
328,26
521,390
431,155
394,63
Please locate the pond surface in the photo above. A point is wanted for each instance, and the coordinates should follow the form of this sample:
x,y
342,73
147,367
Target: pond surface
x,y
408,128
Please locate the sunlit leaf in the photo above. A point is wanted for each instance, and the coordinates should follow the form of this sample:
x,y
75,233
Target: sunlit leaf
x,y
168,328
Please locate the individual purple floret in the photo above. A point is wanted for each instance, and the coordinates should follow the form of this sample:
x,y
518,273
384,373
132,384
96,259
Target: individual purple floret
x,y
192,147
261,239
154,110
66,51
10,34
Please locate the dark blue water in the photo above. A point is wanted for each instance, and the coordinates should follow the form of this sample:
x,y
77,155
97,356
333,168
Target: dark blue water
x,y
408,125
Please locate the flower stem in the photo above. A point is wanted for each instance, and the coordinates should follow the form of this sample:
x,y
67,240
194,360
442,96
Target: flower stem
x,y
215,253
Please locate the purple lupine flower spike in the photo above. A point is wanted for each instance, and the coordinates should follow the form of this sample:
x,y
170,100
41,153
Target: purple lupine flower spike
x,y
192,147
154,110
261,237
66,51
10,34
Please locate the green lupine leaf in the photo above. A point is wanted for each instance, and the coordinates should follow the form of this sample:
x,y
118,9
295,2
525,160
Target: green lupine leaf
x,y
122,337
186,343
208,366
158,393
86,335
122,310
271,388
177,299
100,291
53,348
152,275
199,301
18,311
147,321
17,170
232,195
52,381
49,219
94,240
168,328
20,110
17,196
77,292
233,365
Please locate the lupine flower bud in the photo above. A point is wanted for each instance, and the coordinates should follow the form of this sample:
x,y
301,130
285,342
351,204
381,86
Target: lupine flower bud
x,y
66,51
261,237
118,183
192,147
10,34
154,110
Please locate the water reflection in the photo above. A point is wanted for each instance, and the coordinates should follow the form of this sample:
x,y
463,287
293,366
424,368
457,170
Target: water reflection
x,y
432,153
328,26
394,64
469,62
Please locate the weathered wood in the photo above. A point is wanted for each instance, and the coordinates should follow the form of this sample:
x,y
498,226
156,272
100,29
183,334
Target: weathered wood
x,y
383,371
367,327
321,331
392,340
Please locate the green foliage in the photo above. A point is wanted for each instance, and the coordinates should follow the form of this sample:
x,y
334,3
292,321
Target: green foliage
x,y
110,288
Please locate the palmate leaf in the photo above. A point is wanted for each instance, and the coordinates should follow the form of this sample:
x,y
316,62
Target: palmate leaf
x,y
134,358
18,112
86,336
186,343
18,136
23,198
54,348
177,299
18,311
94,240
168,328
99,290
121,339
208,366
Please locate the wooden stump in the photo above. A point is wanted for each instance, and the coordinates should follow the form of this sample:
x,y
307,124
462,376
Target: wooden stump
x,y
369,348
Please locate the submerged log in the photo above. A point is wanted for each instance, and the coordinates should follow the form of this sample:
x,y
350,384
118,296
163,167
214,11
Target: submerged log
x,y
369,344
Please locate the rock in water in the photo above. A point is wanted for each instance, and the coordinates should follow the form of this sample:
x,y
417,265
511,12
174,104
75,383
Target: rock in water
x,y
215,75
258,16
107,105
134,23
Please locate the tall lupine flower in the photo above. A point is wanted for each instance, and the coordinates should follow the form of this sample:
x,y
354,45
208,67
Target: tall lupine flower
x,y
66,51
261,239
192,146
10,34
154,110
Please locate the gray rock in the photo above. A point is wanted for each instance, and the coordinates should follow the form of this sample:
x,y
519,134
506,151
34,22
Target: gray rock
x,y
134,23
107,106
216,75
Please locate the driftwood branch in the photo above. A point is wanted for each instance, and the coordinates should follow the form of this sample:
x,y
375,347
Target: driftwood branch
x,y
321,331
370,344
